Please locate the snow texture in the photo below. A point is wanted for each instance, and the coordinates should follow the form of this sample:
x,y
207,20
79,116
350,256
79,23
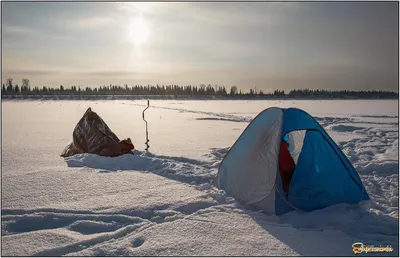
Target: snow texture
x,y
163,202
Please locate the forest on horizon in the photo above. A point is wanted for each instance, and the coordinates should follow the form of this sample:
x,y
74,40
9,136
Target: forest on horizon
x,y
202,90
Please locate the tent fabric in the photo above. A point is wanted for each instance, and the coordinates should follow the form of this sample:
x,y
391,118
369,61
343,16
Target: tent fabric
x,y
320,178
296,119
243,171
323,175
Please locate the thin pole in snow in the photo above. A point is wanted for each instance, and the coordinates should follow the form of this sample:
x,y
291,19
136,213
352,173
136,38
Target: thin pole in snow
x,y
147,134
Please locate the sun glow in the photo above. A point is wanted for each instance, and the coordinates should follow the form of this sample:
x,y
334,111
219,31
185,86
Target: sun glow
x,y
138,31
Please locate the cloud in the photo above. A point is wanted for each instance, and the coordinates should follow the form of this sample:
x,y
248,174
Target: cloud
x,y
90,22
106,73
15,29
32,72
217,13
32,33
141,7
239,13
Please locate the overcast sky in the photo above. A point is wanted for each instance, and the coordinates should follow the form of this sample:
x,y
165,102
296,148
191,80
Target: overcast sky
x,y
320,45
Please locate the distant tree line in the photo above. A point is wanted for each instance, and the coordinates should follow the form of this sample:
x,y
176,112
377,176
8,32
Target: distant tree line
x,y
174,90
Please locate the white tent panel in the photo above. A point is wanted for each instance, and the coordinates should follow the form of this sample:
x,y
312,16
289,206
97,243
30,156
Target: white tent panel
x,y
248,171
268,203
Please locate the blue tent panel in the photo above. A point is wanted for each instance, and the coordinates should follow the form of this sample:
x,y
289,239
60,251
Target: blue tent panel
x,y
321,178
296,119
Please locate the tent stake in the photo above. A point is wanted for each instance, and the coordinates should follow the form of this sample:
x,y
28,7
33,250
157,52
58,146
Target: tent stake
x,y
147,134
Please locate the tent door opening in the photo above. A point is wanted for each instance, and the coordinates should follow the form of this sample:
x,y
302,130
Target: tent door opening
x,y
290,150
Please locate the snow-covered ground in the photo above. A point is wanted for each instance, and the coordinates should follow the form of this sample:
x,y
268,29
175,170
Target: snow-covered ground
x,y
162,202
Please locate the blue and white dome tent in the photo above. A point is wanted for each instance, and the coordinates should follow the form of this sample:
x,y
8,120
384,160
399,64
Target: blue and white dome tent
x,y
323,175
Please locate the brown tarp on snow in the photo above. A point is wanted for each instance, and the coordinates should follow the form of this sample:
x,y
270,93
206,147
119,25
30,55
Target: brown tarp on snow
x,y
92,135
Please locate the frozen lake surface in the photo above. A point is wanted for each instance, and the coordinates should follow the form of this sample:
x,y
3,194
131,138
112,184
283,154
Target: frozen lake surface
x,y
161,202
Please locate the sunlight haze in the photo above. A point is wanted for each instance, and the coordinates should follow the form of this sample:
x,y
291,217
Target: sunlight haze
x,y
317,45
